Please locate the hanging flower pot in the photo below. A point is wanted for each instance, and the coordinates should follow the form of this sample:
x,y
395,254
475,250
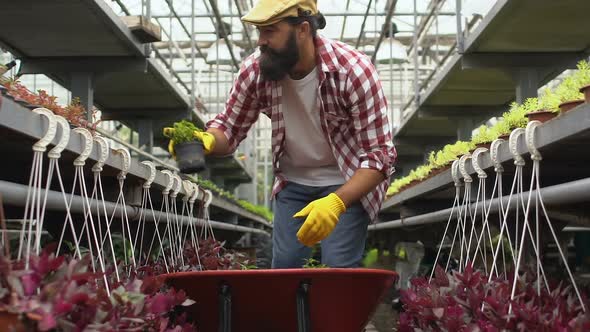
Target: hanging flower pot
x,y
190,157
586,91
568,105
541,115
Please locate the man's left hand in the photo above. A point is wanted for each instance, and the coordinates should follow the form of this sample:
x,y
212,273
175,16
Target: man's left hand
x,y
322,217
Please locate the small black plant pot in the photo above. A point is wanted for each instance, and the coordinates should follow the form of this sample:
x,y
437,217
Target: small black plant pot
x,y
190,157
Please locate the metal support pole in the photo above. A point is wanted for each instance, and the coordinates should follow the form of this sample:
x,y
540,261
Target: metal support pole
x,y
224,308
464,129
527,84
83,87
193,46
246,33
460,35
343,22
224,33
146,135
386,26
416,48
358,41
303,312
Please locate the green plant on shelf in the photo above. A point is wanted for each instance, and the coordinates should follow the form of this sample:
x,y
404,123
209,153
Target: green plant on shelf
x,y
485,134
549,100
256,209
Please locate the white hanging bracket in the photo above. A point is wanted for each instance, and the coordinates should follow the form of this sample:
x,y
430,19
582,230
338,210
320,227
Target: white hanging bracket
x,y
188,190
513,143
498,168
177,185
150,179
195,194
126,163
466,177
530,140
104,153
55,153
41,145
455,173
209,198
86,146
170,182
475,162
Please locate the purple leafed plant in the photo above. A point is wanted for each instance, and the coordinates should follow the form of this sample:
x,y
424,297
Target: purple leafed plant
x,y
468,302
62,293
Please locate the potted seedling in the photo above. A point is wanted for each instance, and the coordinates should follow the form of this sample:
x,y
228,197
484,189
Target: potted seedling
x,y
583,75
568,92
541,110
190,155
484,137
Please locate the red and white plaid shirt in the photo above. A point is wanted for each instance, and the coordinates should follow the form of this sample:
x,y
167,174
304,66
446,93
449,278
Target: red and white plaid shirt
x,y
353,114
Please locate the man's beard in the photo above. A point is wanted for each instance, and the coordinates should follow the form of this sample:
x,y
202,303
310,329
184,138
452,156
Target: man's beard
x,y
276,64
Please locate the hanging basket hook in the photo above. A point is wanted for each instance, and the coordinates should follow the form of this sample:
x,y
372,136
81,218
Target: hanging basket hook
x,y
188,189
466,177
475,162
41,145
126,163
498,168
170,182
104,153
195,194
455,173
177,185
86,146
513,143
150,179
530,140
209,198
55,153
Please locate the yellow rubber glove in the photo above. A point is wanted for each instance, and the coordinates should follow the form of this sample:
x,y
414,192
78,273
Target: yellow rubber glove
x,y
208,140
322,216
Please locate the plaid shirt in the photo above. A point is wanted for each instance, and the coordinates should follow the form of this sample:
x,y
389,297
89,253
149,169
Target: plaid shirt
x,y
353,114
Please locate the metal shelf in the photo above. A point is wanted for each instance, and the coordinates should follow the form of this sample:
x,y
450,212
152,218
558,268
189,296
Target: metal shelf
x,y
518,46
562,139
26,126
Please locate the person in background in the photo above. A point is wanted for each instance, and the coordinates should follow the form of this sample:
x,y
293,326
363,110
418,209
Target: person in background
x,y
331,139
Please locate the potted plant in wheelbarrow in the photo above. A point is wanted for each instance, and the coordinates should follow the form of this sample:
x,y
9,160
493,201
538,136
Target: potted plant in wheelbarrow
x,y
187,149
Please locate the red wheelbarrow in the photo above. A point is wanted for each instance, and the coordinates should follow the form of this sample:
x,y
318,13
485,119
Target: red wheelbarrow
x,y
289,300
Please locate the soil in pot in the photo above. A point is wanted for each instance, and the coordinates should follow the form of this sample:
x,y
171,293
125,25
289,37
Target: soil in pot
x,y
190,157
568,105
586,91
542,116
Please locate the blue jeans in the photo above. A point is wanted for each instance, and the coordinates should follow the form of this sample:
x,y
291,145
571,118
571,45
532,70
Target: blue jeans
x,y
344,247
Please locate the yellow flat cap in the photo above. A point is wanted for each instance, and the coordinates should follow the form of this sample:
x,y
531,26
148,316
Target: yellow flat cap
x,y
267,12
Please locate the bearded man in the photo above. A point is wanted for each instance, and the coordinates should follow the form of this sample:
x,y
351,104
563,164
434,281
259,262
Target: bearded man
x,y
331,140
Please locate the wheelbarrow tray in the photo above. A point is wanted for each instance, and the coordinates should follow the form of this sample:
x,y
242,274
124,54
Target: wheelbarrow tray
x,y
338,300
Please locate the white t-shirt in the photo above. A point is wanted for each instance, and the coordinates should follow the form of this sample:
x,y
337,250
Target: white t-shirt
x,y
307,158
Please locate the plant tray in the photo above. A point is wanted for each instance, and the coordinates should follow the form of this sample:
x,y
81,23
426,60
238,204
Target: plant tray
x,y
286,300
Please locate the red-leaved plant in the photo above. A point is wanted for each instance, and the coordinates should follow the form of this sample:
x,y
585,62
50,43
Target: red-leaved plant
x,y
75,113
61,293
468,302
